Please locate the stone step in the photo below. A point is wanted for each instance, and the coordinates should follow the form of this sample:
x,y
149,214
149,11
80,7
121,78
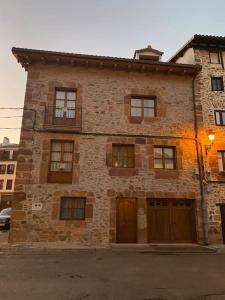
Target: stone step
x,y
165,248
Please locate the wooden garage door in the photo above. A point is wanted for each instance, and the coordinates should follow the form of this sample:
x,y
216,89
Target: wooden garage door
x,y
171,221
126,220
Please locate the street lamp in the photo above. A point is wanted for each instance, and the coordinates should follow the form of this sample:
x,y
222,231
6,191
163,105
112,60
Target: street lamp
x,y
211,137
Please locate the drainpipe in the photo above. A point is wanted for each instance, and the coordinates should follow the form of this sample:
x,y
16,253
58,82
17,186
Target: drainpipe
x,y
201,170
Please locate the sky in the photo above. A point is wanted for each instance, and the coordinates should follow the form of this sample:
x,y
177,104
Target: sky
x,y
103,27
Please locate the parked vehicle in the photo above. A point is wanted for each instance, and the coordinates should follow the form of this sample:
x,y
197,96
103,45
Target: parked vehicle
x,y
5,218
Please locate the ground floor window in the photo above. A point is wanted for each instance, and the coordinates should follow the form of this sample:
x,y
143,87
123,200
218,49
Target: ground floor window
x,y
72,208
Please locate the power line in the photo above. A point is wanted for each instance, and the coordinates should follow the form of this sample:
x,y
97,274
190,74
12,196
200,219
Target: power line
x,y
12,108
10,117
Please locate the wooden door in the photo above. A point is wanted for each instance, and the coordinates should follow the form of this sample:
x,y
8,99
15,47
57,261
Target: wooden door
x,y
158,221
126,220
183,221
222,212
171,221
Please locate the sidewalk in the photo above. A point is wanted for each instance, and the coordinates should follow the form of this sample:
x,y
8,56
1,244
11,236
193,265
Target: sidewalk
x,y
170,249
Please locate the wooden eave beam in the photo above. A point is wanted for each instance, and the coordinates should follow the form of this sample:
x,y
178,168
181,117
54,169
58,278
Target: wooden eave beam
x,y
113,64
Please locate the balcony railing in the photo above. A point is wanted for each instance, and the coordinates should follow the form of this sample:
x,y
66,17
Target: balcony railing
x,y
63,117
5,155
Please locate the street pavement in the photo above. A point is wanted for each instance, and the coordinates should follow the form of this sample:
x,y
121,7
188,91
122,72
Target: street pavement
x,y
109,274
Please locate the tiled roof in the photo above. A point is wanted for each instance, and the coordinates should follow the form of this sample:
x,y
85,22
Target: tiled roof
x,y
30,56
199,40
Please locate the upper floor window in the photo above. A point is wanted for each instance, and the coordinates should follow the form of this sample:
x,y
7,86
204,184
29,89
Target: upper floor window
x,y
123,156
221,160
7,155
9,184
72,208
214,57
220,117
164,157
217,83
2,169
1,184
65,104
143,107
61,162
10,169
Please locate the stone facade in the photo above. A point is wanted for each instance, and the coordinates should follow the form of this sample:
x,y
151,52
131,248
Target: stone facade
x,y
207,102
104,96
211,101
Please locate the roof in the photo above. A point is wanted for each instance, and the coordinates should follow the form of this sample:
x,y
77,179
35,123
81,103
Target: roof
x,y
28,57
200,41
147,49
9,146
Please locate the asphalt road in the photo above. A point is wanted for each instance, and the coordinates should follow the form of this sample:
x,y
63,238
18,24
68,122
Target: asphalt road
x,y
110,274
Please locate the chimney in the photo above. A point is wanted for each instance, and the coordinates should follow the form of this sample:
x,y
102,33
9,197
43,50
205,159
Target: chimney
x,y
6,141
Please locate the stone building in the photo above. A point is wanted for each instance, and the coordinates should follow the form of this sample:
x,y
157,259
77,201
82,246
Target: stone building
x,y
108,151
209,52
8,162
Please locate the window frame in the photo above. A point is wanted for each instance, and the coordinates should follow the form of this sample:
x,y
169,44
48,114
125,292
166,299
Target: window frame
x,y
220,112
56,174
4,167
2,183
218,56
66,90
142,107
174,159
121,146
6,186
8,167
222,84
223,160
73,218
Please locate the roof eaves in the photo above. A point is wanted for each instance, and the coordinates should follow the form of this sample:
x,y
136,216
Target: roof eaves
x,y
25,56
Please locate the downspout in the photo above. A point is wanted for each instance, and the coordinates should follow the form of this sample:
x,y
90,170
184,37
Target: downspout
x,y
201,169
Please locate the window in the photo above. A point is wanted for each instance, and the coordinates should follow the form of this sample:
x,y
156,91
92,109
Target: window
x,y
2,169
217,83
72,208
1,184
7,154
61,163
142,107
220,117
9,184
221,160
65,104
164,158
10,169
123,156
214,57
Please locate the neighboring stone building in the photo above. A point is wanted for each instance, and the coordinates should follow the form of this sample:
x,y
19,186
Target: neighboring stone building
x,y
209,52
108,151
8,157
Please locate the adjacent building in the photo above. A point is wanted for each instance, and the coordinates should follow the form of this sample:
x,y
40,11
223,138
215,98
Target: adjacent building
x,y
116,150
209,52
8,157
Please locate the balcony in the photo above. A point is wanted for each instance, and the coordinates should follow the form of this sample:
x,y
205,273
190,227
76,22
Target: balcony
x,y
63,118
6,155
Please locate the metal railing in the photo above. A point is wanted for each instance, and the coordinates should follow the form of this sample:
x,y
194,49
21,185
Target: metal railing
x,y
63,117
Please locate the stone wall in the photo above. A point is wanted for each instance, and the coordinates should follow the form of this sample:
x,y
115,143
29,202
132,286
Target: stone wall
x,y
209,101
103,95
